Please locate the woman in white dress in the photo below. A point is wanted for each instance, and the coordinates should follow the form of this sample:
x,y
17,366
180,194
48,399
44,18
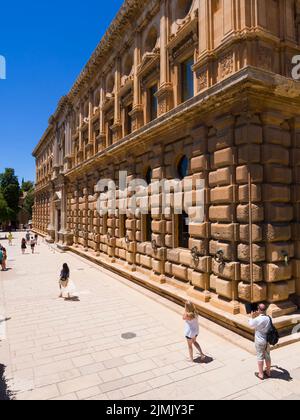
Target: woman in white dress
x,y
191,330
67,287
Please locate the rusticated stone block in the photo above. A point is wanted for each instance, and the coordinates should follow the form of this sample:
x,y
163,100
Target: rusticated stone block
x,y
169,227
296,194
223,157
221,141
257,273
169,241
277,135
158,227
243,213
230,271
220,177
296,268
256,171
200,245
221,213
292,287
248,134
225,232
130,224
297,281
276,251
130,258
198,280
272,154
227,249
244,193
245,233
224,288
199,164
222,195
173,255
249,153
158,266
213,282
180,272
199,230
259,292
276,193
277,233
278,292
277,272
278,174
168,268
203,264
259,252
278,213
185,258
146,261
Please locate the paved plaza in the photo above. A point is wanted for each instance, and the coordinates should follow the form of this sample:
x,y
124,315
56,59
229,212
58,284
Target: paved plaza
x,y
74,350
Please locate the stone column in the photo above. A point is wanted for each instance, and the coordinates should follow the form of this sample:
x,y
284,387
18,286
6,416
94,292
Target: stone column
x,y
137,111
117,127
296,204
165,92
51,228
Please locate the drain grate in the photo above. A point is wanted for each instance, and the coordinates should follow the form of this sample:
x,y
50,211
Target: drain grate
x,y
128,336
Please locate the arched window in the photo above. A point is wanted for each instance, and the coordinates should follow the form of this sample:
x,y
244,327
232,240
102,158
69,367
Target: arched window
x,y
127,65
183,167
183,8
151,40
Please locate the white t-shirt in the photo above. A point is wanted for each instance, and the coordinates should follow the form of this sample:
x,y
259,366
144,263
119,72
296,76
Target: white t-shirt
x,y
191,329
262,325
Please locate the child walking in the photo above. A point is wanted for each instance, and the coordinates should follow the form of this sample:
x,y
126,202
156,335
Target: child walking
x,y
191,330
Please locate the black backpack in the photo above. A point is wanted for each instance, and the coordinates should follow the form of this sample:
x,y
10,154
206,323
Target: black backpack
x,y
273,335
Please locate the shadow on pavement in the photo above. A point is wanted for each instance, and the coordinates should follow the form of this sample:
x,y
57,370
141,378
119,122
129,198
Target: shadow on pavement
x,y
280,373
207,360
5,394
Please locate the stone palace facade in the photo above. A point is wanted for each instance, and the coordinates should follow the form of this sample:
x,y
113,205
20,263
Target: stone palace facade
x,y
194,90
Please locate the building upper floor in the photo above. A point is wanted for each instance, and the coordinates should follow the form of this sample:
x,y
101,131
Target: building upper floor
x,y
155,56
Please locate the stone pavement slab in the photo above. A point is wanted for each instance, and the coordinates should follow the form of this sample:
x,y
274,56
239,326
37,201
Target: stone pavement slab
x,y
58,350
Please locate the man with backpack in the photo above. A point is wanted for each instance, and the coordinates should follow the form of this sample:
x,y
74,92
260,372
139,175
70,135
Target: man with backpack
x,y
265,335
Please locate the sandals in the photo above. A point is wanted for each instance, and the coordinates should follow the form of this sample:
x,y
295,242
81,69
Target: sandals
x,y
257,375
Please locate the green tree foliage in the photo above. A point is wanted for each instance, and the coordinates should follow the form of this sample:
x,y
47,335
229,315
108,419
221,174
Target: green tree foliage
x,y
10,189
27,186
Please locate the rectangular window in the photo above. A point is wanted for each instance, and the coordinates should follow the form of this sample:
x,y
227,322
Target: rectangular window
x,y
153,104
183,231
128,122
187,80
110,132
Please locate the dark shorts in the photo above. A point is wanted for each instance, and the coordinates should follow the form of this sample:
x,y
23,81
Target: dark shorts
x,y
189,338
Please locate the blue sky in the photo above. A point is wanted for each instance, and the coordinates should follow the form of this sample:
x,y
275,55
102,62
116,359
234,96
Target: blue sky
x,y
46,44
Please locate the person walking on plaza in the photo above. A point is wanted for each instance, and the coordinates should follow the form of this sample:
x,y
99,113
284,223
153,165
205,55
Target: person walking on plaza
x,y
262,325
4,259
191,330
32,244
36,237
28,236
10,239
67,287
1,255
23,246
